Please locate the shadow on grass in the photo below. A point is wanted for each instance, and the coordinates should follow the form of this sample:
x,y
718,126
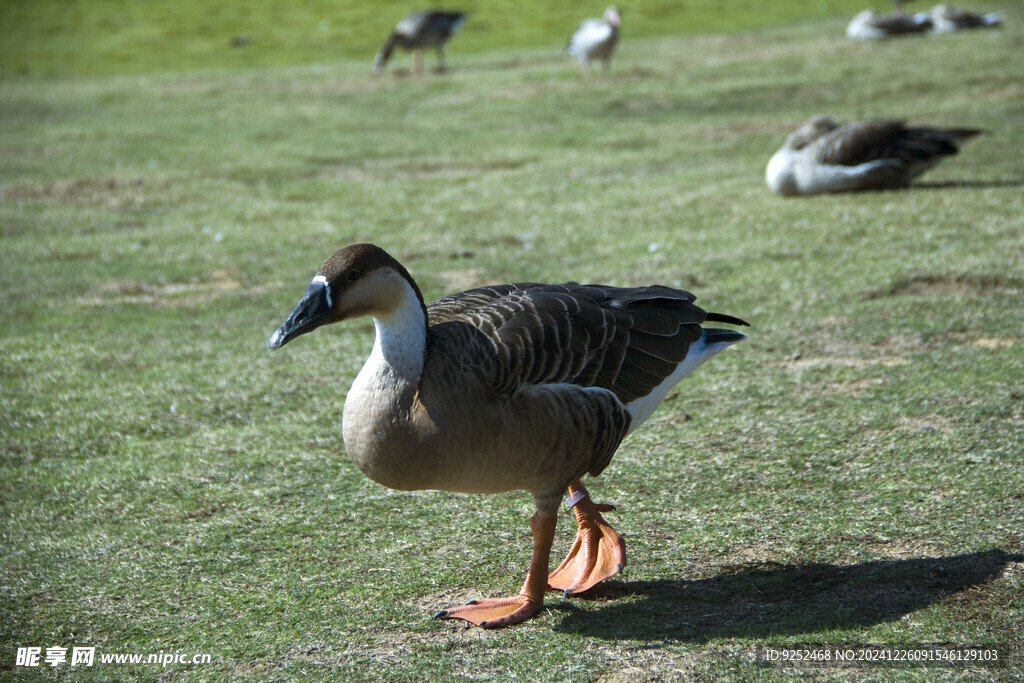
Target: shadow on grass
x,y
771,599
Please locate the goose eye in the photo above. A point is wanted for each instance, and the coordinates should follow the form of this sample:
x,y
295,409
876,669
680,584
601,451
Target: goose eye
x,y
352,275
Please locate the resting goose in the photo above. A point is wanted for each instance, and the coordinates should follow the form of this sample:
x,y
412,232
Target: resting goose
x,y
946,18
822,156
419,30
509,387
595,39
870,25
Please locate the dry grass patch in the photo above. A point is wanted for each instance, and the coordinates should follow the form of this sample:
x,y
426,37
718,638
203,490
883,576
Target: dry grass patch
x,y
223,283
112,193
951,284
459,280
925,423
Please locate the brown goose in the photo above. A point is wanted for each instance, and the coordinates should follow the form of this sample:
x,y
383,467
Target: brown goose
x,y
870,25
822,156
510,387
419,30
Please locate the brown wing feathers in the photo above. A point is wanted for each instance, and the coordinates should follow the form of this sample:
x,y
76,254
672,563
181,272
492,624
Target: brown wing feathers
x,y
859,143
625,340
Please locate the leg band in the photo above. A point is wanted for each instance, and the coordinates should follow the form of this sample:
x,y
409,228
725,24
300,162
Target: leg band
x,y
579,495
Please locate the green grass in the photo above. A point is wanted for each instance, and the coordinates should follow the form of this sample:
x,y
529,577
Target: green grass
x,y
853,473
50,38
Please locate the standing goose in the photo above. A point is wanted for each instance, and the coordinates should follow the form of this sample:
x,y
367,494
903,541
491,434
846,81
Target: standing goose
x,y
870,25
946,18
822,156
509,387
596,39
419,30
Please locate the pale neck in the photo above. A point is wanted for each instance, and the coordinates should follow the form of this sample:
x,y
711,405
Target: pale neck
x,y
399,348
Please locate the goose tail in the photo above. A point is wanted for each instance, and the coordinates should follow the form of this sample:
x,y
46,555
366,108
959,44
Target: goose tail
x,y
993,18
457,22
713,337
727,319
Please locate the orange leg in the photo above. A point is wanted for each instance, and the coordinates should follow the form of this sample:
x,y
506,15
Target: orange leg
x,y
498,612
598,552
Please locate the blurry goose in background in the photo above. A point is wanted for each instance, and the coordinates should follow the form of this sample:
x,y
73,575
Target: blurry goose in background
x,y
595,39
822,156
419,30
945,18
870,25
508,387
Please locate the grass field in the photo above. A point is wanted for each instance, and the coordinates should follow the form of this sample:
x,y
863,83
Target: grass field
x,y
852,474
60,38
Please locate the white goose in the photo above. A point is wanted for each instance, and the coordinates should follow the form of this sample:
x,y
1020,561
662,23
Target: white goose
x,y
595,39
870,25
509,387
946,18
822,156
419,30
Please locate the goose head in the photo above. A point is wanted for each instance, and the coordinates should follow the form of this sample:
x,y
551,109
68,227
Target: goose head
x,y
357,281
611,15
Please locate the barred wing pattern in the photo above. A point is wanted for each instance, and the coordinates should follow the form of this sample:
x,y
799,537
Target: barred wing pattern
x,y
859,143
627,340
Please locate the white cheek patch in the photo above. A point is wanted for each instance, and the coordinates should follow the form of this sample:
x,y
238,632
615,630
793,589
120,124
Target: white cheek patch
x,y
320,279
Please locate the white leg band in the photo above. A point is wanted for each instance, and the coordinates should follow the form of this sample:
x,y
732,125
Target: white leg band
x,y
575,498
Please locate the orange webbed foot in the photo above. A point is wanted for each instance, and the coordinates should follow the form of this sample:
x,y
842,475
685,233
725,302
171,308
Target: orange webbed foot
x,y
499,612
597,553
493,612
